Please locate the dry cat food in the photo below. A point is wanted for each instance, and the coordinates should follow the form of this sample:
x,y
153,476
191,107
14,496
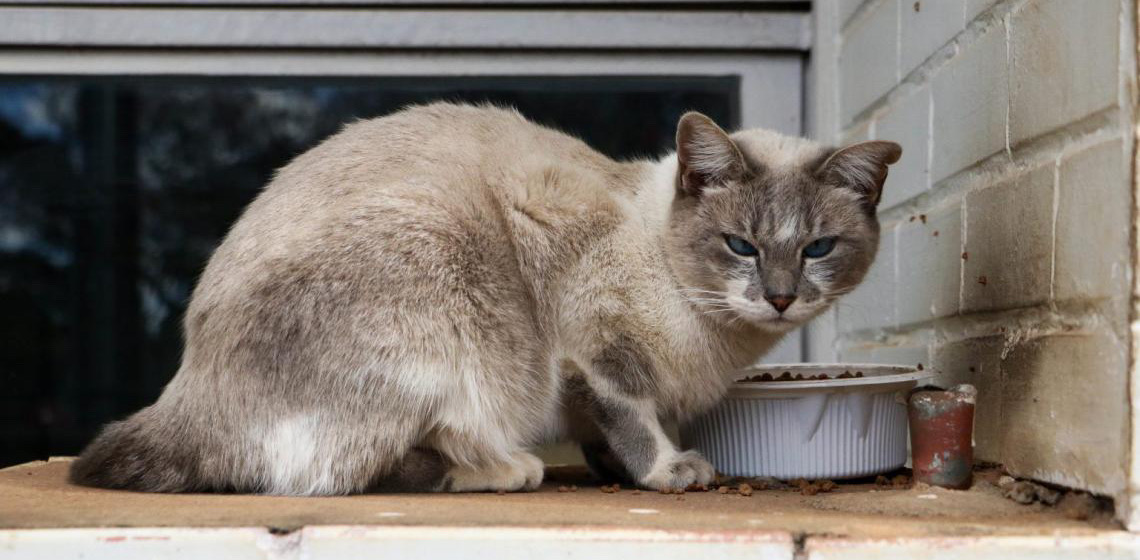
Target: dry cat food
x,y
898,481
808,488
787,376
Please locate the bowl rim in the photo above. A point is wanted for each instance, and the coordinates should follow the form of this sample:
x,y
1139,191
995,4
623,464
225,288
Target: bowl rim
x,y
875,374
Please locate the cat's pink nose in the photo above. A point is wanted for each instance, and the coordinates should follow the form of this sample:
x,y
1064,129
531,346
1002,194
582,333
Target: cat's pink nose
x,y
781,302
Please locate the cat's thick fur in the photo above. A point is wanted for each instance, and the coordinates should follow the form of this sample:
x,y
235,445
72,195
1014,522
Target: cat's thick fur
x,y
420,299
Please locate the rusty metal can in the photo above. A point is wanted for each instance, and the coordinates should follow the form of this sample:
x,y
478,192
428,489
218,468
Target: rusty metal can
x,y
942,435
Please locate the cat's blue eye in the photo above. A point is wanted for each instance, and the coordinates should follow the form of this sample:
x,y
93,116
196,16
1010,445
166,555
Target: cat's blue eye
x,y
740,246
819,248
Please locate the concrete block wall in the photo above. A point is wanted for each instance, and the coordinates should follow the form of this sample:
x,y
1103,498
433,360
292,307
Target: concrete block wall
x,y
1006,253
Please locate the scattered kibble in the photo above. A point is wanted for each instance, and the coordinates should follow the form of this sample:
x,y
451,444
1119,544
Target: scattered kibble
x,y
723,489
827,486
636,492
744,489
809,490
563,489
900,481
573,488
696,487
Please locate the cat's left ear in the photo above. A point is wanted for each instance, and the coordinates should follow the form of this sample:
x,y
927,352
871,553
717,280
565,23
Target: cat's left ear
x,y
862,167
706,156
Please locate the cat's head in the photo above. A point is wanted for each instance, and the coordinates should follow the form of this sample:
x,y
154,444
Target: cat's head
x,y
769,229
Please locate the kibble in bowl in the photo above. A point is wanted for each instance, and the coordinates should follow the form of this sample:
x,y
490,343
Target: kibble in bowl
x,y
809,421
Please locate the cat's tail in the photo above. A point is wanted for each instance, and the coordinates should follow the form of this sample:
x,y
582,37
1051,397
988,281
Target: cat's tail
x,y
133,454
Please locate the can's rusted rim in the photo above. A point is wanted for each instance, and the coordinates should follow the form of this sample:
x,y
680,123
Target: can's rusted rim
x,y
874,377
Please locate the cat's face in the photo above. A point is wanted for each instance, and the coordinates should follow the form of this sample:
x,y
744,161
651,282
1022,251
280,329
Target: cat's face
x,y
768,229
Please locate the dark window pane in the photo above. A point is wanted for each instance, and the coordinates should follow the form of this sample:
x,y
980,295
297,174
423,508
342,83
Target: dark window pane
x,y
114,192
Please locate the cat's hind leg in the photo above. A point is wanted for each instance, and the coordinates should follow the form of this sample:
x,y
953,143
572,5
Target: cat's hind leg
x,y
522,471
486,459
419,470
427,470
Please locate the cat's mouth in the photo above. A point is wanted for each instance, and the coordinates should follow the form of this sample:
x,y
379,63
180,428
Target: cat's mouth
x,y
779,324
763,315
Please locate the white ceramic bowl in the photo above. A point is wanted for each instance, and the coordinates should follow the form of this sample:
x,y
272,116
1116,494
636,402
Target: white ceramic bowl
x,y
834,428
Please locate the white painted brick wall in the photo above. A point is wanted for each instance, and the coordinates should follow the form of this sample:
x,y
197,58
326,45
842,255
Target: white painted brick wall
x,y
1076,432
872,305
1092,247
926,25
971,99
1016,120
868,59
1064,59
929,266
908,123
1009,245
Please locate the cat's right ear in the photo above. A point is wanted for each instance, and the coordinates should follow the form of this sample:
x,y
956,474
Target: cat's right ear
x,y
706,156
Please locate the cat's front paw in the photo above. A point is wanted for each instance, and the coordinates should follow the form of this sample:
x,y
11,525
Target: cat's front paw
x,y
680,471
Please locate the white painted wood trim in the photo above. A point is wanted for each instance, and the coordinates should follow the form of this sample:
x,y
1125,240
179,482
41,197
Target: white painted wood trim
x,y
770,83
400,28
509,543
317,3
391,542
1114,545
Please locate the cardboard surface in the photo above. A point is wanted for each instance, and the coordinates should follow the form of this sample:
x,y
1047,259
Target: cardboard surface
x,y
36,495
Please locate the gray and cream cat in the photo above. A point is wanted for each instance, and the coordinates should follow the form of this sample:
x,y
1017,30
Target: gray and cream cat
x,y
416,302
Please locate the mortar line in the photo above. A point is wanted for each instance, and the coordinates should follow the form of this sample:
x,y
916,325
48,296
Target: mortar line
x,y
1127,100
898,41
965,213
896,277
1007,22
1056,205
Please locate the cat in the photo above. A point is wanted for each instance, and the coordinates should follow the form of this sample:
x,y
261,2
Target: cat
x,y
418,301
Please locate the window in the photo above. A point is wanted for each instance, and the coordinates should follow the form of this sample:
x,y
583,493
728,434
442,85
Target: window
x,y
124,160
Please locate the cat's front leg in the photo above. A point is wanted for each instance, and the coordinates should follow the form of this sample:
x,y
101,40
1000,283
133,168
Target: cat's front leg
x,y
635,436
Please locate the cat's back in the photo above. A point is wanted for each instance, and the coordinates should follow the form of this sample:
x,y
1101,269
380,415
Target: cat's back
x,y
440,158
445,139
440,182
